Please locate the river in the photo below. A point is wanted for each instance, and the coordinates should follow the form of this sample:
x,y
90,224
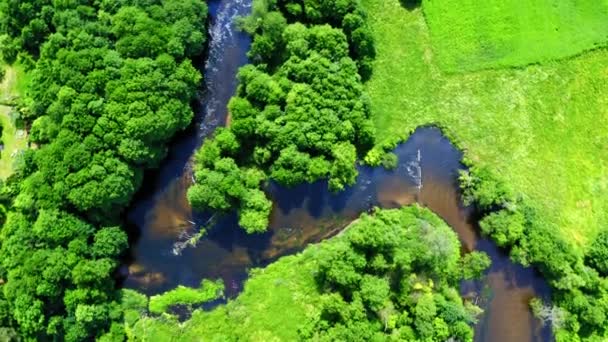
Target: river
x,y
161,220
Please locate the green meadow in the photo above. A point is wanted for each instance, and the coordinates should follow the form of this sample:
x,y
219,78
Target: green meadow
x,y
472,35
543,127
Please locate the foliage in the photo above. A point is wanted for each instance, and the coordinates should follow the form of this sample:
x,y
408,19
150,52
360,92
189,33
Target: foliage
x,y
111,83
394,274
182,295
299,114
391,275
504,33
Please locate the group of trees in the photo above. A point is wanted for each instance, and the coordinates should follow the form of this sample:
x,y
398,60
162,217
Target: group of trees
x,y
112,82
395,274
579,279
299,114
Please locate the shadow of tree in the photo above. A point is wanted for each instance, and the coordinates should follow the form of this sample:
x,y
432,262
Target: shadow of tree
x,y
410,4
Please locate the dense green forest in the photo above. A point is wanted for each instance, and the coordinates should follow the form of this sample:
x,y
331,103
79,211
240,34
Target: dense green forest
x,y
299,114
112,82
391,276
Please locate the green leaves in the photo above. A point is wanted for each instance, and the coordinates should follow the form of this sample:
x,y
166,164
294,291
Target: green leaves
x,y
388,274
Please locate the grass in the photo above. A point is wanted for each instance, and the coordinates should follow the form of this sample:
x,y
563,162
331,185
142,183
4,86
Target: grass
x,y
15,83
542,127
183,295
473,35
275,302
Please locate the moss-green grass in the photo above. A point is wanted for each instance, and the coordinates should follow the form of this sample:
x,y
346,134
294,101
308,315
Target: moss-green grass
x,y
473,34
544,128
275,302
15,84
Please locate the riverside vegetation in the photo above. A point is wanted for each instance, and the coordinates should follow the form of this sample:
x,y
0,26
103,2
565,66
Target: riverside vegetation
x,y
299,114
392,275
530,123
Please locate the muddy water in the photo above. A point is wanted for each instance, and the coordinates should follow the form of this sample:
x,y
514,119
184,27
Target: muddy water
x,y
427,174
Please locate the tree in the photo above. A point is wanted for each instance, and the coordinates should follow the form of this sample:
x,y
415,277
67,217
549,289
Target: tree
x,y
474,264
598,253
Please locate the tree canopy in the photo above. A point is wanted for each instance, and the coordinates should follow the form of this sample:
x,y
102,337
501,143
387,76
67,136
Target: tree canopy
x,y
299,114
112,83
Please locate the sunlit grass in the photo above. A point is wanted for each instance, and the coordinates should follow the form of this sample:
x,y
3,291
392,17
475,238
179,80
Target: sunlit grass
x,y
15,83
472,34
544,128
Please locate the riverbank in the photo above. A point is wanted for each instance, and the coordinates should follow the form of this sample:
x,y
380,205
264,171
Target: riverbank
x,y
282,301
538,127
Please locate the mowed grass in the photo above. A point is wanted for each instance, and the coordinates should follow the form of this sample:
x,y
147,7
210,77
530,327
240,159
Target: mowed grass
x,y
473,34
543,128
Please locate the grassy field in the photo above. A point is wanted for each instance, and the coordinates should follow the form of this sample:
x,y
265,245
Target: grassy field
x,y
544,128
14,140
473,35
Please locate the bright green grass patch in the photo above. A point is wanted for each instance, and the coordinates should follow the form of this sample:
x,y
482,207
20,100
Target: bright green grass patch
x,y
473,34
275,302
182,295
15,140
543,128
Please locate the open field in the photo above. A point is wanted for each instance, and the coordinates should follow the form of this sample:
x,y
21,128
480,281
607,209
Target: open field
x,y
543,127
14,140
473,35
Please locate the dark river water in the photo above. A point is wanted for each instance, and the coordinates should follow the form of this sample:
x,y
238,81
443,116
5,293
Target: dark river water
x,y
161,220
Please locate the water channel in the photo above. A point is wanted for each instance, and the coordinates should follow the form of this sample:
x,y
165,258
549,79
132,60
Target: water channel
x,y
161,219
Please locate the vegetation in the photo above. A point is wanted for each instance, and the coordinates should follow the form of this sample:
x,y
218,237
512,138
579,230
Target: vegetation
x,y
14,140
391,275
299,114
532,134
183,295
479,35
111,83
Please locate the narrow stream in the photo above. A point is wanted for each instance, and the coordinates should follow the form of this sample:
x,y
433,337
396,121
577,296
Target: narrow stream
x,y
161,218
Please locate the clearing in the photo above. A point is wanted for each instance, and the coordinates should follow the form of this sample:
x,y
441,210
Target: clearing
x,y
13,139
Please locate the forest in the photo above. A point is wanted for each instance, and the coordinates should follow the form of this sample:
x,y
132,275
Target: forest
x,y
112,82
329,85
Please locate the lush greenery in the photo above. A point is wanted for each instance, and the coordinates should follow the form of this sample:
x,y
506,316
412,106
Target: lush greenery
x,y
299,114
392,275
535,139
472,35
111,83
183,295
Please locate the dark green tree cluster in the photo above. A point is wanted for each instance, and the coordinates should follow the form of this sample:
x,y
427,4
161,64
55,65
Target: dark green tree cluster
x,y
395,276
299,114
111,84
579,280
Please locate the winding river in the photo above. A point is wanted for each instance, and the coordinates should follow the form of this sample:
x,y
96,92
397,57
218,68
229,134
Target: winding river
x,y
161,220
